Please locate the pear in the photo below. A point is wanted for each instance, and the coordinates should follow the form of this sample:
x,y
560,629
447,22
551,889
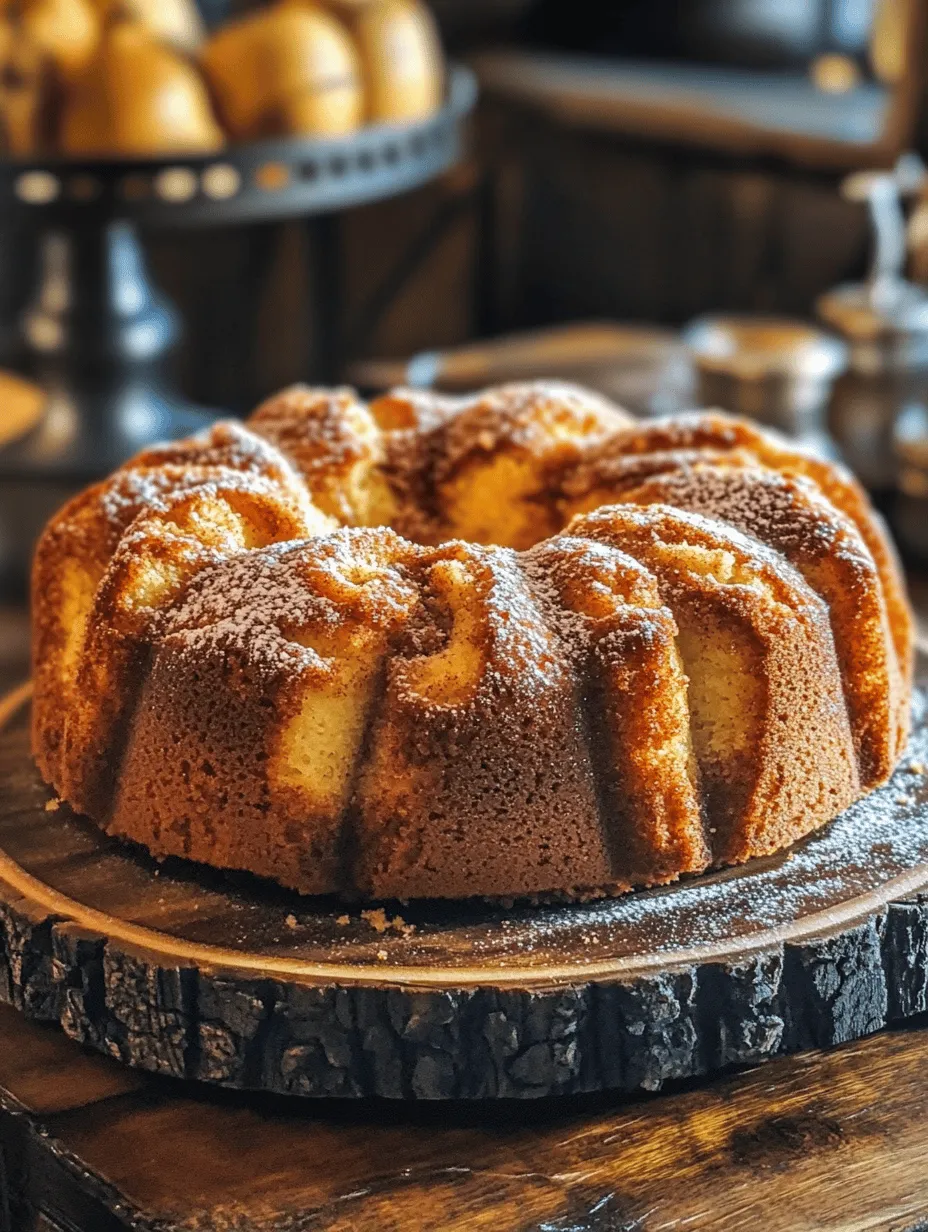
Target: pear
x,y
344,9
329,112
403,61
23,404
68,31
265,67
176,22
888,43
138,97
25,92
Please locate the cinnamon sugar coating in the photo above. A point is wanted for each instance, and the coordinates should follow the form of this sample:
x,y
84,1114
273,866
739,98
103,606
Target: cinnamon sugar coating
x,y
515,643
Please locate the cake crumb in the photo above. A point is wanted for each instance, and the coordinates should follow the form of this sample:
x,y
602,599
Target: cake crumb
x,y
903,800
381,955
342,920
916,767
52,805
377,918
291,921
381,922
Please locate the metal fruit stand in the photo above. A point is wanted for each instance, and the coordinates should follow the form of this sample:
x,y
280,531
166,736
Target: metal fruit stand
x,y
97,333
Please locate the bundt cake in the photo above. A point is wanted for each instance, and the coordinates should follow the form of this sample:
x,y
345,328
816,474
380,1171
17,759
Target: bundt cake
x,y
511,644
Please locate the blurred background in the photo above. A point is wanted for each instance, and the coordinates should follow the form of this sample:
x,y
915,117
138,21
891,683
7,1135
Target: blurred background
x,y
677,201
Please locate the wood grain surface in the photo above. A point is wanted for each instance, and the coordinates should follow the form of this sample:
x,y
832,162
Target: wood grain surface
x,y
752,114
189,974
835,1142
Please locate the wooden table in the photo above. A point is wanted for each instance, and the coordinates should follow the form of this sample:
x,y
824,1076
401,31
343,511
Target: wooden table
x,y
835,1141
823,1141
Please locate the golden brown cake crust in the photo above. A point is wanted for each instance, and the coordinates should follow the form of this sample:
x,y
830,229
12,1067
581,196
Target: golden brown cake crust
x,y
589,654
787,762
604,473
788,513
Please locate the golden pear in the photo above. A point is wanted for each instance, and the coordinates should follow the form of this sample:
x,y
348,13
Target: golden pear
x,y
139,97
25,92
259,65
329,112
23,404
68,31
403,61
888,44
345,9
177,22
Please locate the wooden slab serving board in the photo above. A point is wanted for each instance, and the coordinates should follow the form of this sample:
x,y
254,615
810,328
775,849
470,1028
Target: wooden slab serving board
x,y
229,980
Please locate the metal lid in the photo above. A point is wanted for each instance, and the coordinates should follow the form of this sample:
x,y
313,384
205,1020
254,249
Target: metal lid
x,y
751,348
862,312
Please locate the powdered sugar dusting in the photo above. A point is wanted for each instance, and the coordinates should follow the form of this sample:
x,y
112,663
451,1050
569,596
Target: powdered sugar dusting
x,y
789,513
267,615
243,607
878,838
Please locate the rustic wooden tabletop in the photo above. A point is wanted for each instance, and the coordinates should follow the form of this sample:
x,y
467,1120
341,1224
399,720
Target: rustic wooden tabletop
x,y
833,1140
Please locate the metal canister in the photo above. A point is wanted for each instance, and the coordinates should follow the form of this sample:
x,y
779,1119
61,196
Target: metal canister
x,y
884,322
776,370
886,332
910,508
